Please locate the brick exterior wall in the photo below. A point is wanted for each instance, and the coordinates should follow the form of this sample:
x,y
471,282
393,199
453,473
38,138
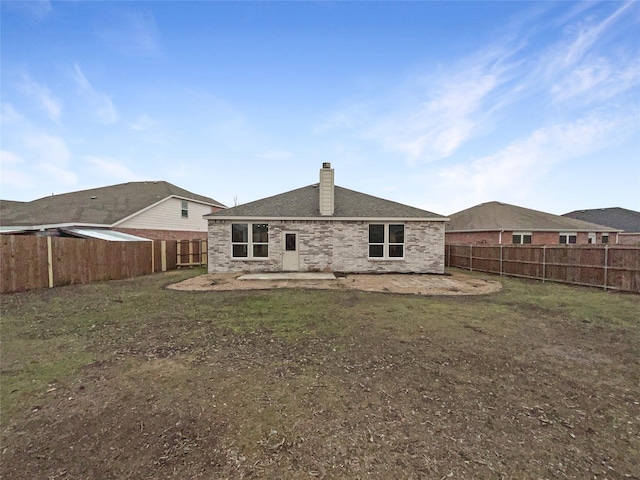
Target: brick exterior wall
x,y
331,246
628,239
473,238
537,238
164,234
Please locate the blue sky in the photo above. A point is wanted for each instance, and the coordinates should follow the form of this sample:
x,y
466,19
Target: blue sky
x,y
439,105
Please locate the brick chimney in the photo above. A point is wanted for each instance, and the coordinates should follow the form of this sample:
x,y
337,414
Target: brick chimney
x,y
326,190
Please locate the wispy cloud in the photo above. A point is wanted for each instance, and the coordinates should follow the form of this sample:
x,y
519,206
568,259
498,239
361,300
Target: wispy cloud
x,y
430,117
101,105
512,172
587,35
113,169
12,172
450,112
42,96
582,66
142,123
52,156
131,33
9,115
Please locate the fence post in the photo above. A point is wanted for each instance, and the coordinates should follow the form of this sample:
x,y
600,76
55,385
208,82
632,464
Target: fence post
x,y
163,255
606,265
50,262
544,262
500,259
471,258
204,253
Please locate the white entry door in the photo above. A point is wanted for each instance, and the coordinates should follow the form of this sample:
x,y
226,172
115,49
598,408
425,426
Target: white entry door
x,y
290,262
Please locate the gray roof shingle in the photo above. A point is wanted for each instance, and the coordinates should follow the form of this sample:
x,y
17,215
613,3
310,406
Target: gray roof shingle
x,y
616,217
304,203
96,206
494,216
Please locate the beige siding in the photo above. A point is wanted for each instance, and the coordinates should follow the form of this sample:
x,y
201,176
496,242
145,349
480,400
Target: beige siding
x,y
168,216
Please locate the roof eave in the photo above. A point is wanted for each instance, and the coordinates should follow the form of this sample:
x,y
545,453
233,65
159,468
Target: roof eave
x,y
46,226
326,218
528,229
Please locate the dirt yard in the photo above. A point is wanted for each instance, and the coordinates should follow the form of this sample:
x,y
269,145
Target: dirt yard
x,y
131,380
456,283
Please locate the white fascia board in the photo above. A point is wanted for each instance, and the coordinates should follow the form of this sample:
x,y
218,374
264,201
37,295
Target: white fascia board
x,y
62,225
521,229
122,220
324,219
198,201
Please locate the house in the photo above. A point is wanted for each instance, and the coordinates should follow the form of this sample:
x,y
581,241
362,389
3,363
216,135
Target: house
x,y
621,218
323,227
497,223
153,210
7,206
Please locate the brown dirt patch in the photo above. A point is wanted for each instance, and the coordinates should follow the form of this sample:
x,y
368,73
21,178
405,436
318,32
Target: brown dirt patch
x,y
537,381
456,283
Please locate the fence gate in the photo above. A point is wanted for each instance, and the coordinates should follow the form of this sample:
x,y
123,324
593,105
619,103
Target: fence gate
x,y
191,253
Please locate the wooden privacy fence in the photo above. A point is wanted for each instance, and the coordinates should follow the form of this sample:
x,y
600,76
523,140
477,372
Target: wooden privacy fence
x,y
191,253
605,266
28,262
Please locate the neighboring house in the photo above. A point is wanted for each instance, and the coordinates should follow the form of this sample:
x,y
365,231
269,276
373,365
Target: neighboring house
x,y
154,210
497,223
7,206
621,218
323,227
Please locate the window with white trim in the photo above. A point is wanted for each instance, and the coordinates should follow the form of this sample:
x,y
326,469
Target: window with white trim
x,y
521,238
566,238
185,209
250,240
386,240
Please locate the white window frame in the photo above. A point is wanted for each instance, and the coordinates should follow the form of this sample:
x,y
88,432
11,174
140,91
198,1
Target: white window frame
x,y
250,243
184,209
567,236
521,236
386,244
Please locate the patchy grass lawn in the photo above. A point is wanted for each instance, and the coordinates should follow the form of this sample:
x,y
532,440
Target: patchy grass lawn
x,y
126,379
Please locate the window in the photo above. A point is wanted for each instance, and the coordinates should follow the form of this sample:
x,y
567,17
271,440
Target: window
x,y
568,238
386,241
255,245
290,242
591,238
185,209
605,238
521,237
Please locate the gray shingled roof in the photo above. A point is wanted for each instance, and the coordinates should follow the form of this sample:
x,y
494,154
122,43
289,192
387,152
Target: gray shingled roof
x,y
96,206
7,206
494,216
304,203
616,217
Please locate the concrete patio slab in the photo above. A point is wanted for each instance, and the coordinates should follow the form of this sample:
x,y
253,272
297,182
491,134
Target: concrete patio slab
x,y
453,283
288,276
